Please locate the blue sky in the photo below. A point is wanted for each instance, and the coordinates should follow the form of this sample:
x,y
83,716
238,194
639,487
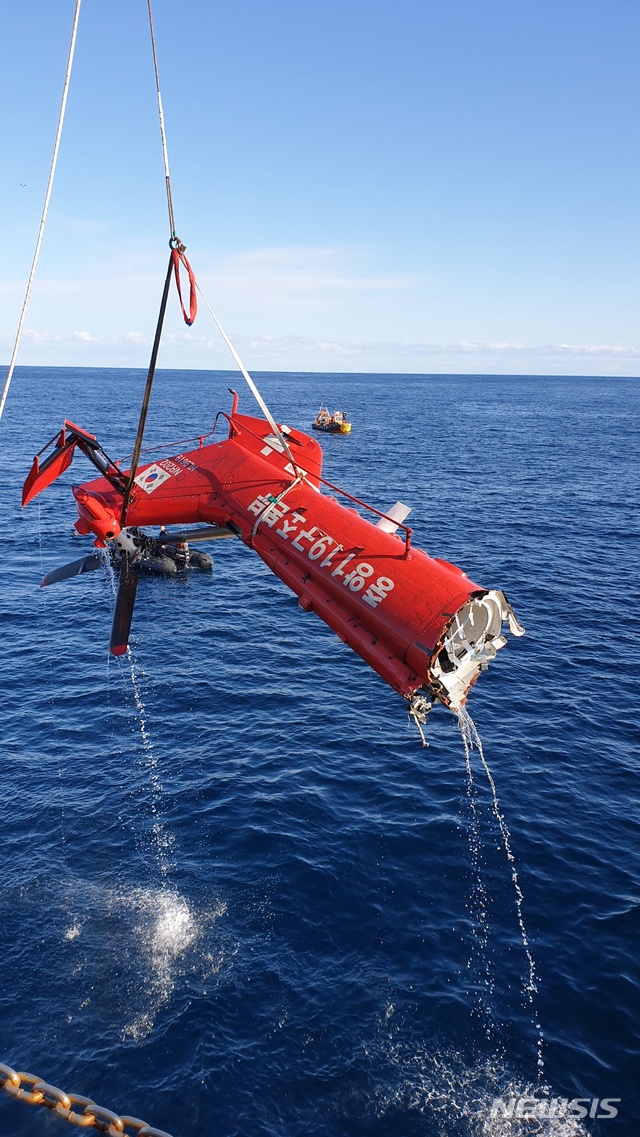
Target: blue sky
x,y
407,186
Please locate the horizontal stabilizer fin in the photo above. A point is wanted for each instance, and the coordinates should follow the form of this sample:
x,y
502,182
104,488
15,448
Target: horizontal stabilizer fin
x,y
205,533
395,516
75,568
41,476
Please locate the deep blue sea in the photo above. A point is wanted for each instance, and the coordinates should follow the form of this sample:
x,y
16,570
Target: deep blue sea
x,y
238,896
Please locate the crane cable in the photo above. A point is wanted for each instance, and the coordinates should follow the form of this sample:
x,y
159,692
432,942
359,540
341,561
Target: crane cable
x,y
178,249
175,258
45,210
252,386
165,152
179,252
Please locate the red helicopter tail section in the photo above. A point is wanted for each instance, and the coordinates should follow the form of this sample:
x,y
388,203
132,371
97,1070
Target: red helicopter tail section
x,y
418,621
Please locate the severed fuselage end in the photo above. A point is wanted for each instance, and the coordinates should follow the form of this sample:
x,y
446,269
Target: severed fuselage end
x,y
470,641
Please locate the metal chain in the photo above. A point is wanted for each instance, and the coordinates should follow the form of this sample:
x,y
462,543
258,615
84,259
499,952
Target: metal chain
x,y
87,1116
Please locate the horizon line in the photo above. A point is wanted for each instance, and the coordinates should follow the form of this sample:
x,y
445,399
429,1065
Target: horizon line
x,y
301,371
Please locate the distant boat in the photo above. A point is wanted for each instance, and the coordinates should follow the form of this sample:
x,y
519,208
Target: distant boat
x,y
332,424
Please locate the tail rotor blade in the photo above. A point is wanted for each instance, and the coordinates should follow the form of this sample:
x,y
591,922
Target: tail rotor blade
x,y
124,607
75,568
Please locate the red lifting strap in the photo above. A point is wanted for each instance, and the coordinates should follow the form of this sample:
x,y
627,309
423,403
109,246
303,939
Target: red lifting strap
x,y
178,256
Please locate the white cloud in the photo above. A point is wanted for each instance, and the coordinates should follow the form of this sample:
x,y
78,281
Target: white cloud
x,y
300,302
32,335
276,290
306,271
297,353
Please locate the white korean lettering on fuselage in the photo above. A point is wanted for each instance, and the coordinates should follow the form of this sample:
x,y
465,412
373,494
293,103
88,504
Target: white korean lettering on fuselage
x,y
339,571
357,579
274,512
286,529
319,547
307,535
377,592
259,505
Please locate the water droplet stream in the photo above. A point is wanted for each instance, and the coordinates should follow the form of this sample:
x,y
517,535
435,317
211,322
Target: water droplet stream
x,y
471,739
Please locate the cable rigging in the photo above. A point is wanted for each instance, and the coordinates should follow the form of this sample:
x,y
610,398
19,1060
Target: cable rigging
x,y
45,209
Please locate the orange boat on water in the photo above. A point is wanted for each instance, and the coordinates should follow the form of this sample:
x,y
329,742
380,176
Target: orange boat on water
x,y
332,424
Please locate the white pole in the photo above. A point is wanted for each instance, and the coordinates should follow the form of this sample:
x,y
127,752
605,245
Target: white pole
x,y
258,397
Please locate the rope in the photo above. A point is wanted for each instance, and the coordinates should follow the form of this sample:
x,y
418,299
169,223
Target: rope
x,y
261,403
44,211
276,501
258,397
165,152
180,254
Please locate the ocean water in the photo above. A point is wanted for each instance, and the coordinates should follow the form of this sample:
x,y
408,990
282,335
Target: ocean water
x,y
238,894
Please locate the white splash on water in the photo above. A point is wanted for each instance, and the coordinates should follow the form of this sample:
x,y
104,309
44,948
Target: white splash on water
x,y
167,931
459,1098
134,948
471,739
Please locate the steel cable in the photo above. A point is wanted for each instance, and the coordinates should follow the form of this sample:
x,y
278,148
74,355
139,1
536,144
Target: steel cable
x,y
45,210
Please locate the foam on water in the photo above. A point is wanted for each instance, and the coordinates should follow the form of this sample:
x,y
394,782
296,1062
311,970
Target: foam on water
x,y
463,1100
151,939
166,929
